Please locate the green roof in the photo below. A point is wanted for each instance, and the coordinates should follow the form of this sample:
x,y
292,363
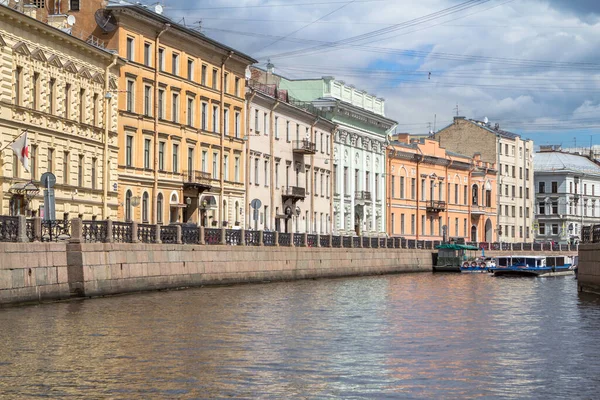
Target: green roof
x,y
454,246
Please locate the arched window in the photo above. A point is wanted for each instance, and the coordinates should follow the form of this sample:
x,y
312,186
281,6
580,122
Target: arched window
x,y
159,208
237,212
128,196
475,195
145,207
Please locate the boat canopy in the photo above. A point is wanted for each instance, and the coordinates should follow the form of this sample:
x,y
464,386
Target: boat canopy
x,y
455,246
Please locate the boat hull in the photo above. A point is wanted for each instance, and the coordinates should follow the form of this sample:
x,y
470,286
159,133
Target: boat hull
x,y
446,268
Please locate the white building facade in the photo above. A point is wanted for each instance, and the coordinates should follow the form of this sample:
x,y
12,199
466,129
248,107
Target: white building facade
x,y
359,151
567,195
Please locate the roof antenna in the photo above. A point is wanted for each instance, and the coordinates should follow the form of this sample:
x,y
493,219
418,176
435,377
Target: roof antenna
x,y
456,108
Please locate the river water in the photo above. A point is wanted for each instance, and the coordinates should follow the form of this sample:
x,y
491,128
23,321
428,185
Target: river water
x,y
401,336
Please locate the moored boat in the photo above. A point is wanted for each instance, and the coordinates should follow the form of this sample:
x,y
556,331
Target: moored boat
x,y
451,257
555,265
481,265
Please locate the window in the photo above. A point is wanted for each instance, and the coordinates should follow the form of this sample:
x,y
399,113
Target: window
x,y
542,228
542,208
456,227
266,172
190,69
226,121
321,144
161,59
33,163
130,49
541,187
225,81
256,171
147,54
555,229
161,103
287,131
51,96
204,112
215,119
66,169
265,124
315,184
128,196
236,124
376,187
423,231
35,90
345,180
276,175
412,224
94,166
129,151
226,167
520,192
161,156
555,187
513,211
80,171
402,224
585,189
422,189
18,85
95,109
190,160
475,195
237,86
237,169
276,127
413,188
159,208
554,207
203,76
513,172
204,160
513,191
175,157
520,172
147,100
129,96
147,153
50,160
68,98
82,106
175,108
74,5
175,63
393,189
526,174
214,79
465,196
145,207
190,111
215,165
401,187
456,193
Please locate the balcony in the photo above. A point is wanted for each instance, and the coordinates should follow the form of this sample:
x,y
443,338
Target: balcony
x,y
198,180
477,210
362,195
294,193
436,206
304,147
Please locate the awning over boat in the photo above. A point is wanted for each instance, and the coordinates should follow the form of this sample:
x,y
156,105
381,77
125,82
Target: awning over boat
x,y
454,246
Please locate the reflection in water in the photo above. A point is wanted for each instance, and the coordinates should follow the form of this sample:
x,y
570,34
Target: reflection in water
x,y
425,336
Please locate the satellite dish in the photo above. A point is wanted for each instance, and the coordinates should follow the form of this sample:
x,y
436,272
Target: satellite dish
x,y
485,120
105,20
71,20
158,9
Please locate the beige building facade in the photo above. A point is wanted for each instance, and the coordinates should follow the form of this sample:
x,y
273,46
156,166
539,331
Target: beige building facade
x,y
289,164
513,157
57,88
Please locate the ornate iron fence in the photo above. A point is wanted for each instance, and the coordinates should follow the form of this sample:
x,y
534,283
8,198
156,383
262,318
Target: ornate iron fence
x,y
30,233
146,233
325,242
506,246
336,241
122,232
285,239
190,234
252,238
269,239
382,243
311,240
356,241
586,233
54,231
374,243
411,244
517,246
94,231
9,228
596,234
366,242
212,236
390,243
429,244
347,241
537,247
420,244
527,246
233,237
168,234
299,239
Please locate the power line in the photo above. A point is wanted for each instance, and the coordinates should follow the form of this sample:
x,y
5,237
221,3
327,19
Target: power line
x,y
288,4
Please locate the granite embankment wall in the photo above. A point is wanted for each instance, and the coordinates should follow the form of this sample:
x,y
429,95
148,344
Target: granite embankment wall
x,y
588,271
33,272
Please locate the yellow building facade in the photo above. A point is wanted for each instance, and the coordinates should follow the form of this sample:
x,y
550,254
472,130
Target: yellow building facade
x,y
54,87
434,194
182,119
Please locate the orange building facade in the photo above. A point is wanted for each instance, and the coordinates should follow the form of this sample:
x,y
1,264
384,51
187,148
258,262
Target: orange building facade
x,y
435,194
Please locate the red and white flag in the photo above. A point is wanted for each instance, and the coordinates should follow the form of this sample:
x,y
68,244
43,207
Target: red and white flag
x,y
21,149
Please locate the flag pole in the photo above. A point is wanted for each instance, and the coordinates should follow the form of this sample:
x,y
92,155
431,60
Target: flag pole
x,y
14,140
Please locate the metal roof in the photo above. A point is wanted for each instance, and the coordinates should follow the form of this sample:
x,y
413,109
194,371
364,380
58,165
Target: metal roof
x,y
554,161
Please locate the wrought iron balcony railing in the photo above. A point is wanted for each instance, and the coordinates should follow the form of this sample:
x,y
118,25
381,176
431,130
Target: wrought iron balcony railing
x,y
362,195
304,147
436,206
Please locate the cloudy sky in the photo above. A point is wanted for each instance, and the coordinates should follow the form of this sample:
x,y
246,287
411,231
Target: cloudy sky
x,y
532,66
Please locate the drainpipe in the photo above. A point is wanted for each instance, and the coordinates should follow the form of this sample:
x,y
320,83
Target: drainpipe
x,y
272,166
105,156
222,139
332,182
154,217
312,170
247,162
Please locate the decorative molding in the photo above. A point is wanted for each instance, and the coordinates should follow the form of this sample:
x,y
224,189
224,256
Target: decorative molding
x,y
21,48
